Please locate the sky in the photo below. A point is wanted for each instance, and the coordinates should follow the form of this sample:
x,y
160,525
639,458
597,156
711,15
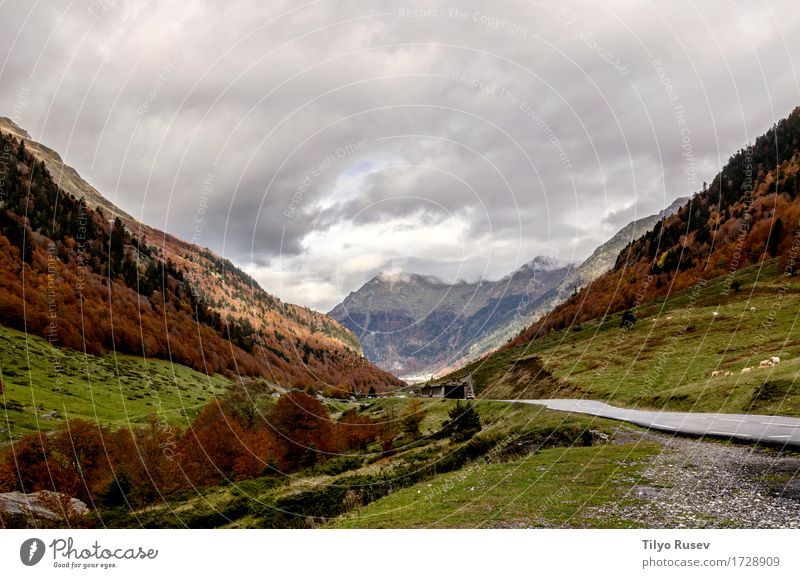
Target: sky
x,y
316,144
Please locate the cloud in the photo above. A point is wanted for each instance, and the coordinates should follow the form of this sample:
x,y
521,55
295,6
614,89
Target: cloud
x,y
347,137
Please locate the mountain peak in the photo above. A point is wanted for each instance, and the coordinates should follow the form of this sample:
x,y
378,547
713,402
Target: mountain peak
x,y
673,207
545,263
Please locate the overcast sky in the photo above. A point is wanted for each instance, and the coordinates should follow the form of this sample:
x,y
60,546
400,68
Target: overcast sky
x,y
331,140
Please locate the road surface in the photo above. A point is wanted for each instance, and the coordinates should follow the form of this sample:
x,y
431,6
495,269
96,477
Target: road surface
x,y
754,428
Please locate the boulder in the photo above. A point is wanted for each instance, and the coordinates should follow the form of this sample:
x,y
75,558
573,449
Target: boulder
x,y
42,505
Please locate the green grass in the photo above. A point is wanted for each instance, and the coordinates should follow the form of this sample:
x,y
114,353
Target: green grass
x,y
113,390
559,487
552,441
665,361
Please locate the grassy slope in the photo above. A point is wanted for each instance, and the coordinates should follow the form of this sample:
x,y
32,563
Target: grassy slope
x,y
111,389
553,488
314,497
666,360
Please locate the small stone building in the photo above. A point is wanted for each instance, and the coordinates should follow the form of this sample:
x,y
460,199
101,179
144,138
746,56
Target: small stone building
x,y
454,389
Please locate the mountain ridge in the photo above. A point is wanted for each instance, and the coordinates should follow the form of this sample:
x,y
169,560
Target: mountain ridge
x,y
747,214
472,318
146,297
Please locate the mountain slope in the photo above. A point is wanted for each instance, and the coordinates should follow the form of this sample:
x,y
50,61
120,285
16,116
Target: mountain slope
x,y
739,233
748,213
85,275
600,261
412,323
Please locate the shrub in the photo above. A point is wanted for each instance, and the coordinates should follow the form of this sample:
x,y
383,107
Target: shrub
x,y
340,465
464,423
413,418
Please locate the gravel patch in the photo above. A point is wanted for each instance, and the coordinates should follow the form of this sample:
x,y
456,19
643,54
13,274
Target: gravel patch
x,y
697,484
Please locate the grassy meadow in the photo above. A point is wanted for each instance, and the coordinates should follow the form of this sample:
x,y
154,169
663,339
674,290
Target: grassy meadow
x,y
112,390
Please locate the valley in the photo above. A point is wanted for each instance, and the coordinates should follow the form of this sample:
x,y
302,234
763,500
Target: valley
x,y
158,386
415,325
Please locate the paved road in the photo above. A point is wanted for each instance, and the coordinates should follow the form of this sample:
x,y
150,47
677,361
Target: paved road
x,y
757,428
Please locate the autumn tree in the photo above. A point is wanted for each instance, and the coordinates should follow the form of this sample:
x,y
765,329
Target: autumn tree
x,y
145,462
212,446
413,417
355,431
303,429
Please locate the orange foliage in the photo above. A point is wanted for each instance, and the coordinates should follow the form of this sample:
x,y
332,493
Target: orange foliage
x,y
303,429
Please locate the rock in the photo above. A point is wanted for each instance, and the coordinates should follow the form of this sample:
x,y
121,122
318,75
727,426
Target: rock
x,y
42,505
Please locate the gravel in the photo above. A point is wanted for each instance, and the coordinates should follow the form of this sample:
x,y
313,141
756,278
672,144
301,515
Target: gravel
x,y
701,484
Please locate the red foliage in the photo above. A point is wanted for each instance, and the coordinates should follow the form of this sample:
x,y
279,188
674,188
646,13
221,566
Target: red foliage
x,y
355,432
87,461
217,447
148,457
72,461
303,429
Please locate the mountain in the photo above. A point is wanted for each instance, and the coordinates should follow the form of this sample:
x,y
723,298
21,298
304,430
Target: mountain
x,y
600,261
746,217
85,275
411,323
415,324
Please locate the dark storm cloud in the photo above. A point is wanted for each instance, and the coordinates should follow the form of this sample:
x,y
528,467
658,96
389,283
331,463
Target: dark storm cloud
x,y
340,137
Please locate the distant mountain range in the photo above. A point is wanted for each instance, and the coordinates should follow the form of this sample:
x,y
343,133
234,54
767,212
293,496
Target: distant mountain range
x,y
413,325
76,269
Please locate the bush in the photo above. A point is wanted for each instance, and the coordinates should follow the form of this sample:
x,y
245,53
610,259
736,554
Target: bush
x,y
628,319
464,423
337,466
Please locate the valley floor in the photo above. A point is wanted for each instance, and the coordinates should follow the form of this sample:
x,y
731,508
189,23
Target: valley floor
x,y
528,468
641,479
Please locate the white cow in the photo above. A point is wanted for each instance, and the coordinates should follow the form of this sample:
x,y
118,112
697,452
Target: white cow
x,y
747,369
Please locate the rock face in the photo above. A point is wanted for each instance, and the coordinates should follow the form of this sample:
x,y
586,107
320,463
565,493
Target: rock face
x,y
18,509
411,324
